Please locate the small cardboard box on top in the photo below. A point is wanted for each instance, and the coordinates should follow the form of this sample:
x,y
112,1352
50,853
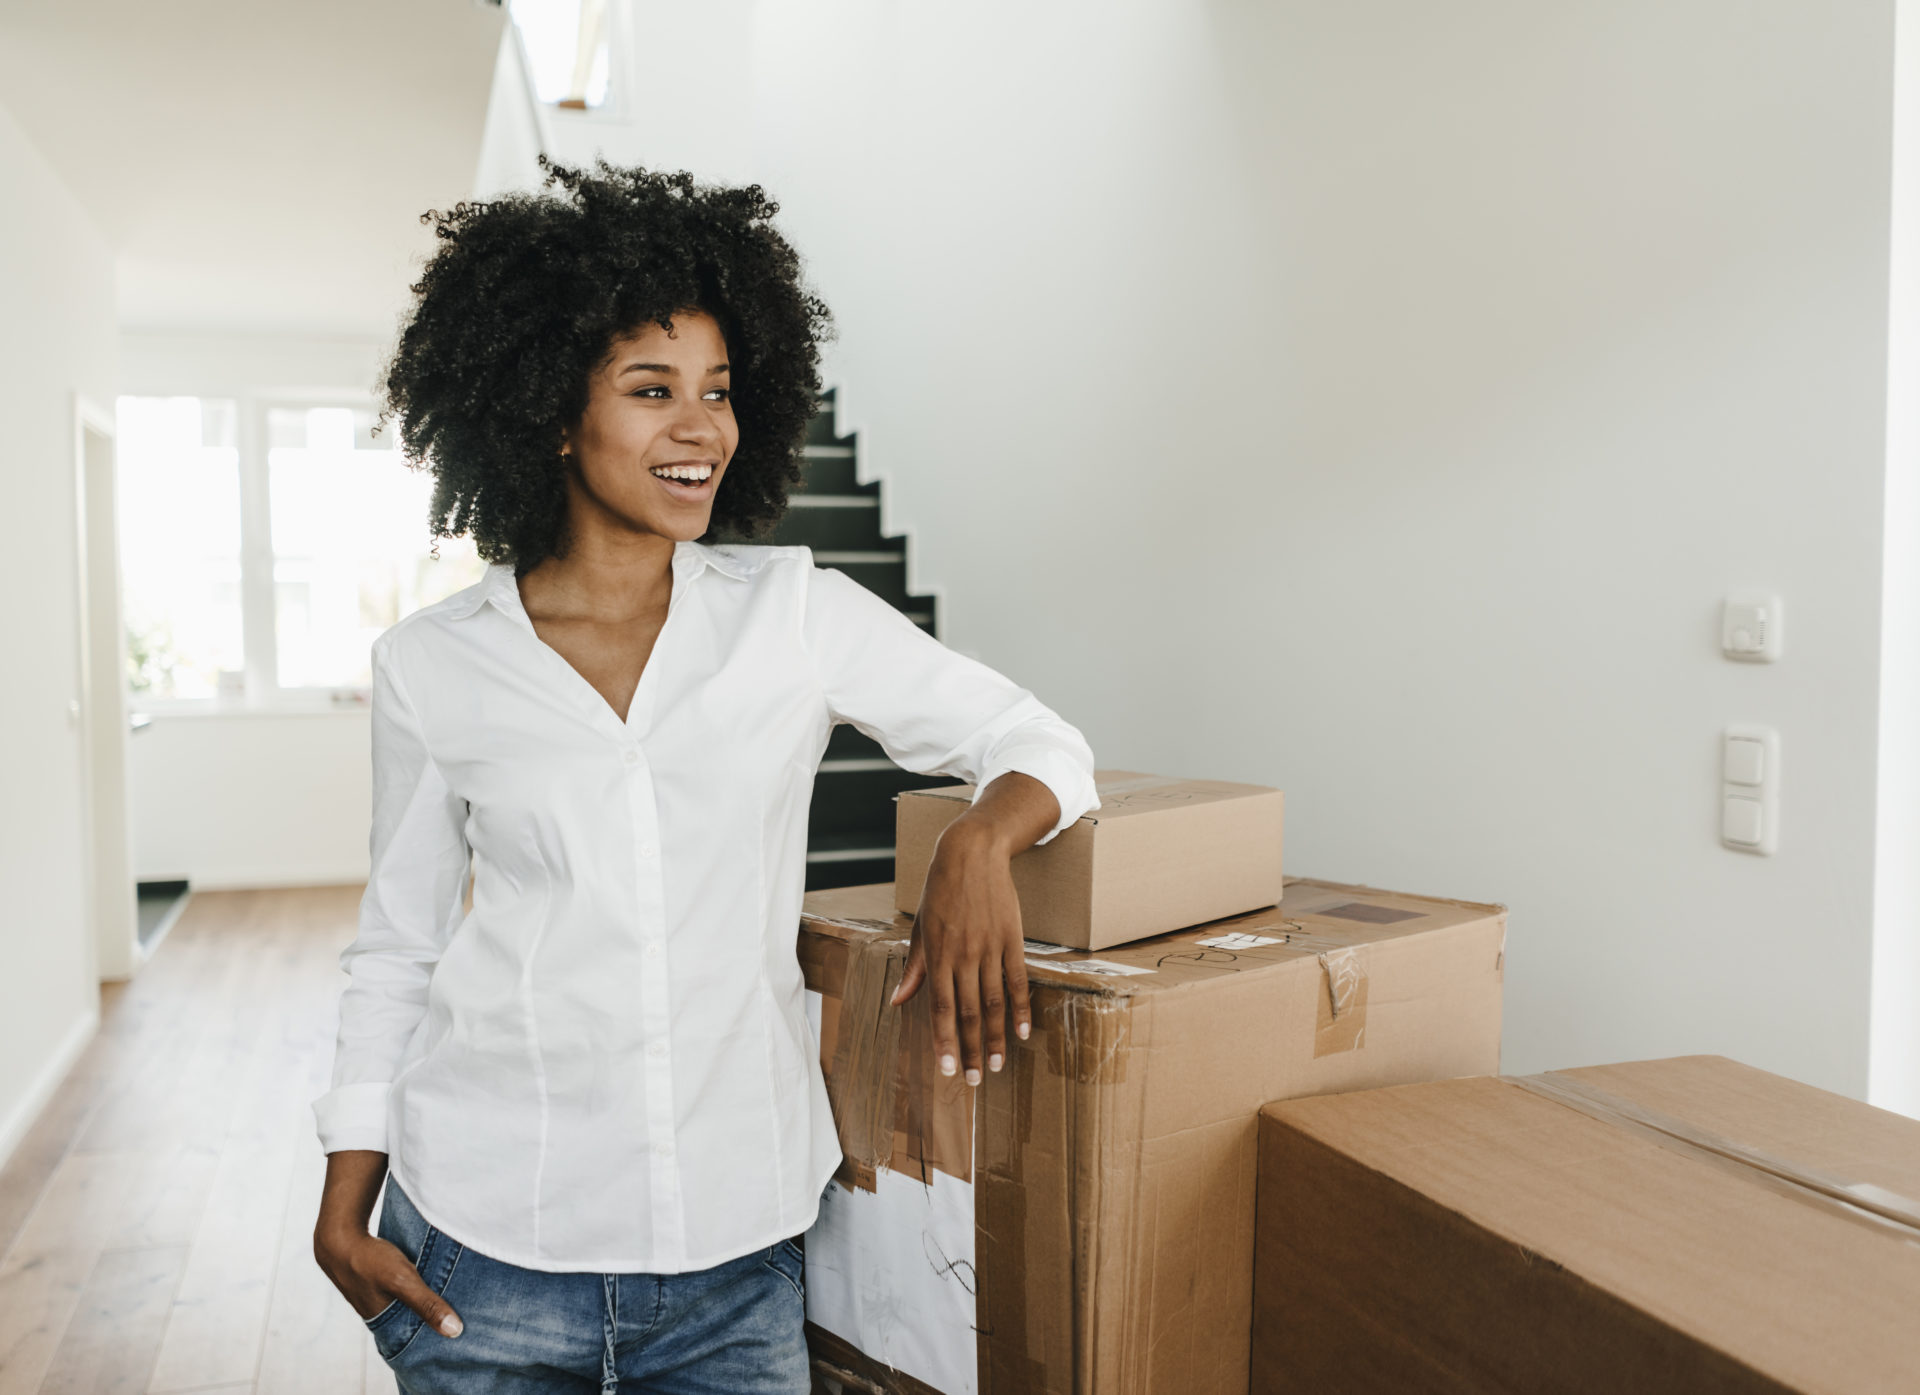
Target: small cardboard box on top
x,y
1685,1225
1158,854
1083,1221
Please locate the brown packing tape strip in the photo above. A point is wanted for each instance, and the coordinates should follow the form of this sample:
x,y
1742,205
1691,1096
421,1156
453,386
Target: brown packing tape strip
x,y
933,1113
1862,1202
865,1072
892,1108
842,1362
1086,1034
1341,1021
1015,1244
1000,1218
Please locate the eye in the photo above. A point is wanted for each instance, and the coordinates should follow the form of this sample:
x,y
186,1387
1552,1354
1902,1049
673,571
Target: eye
x,y
720,394
654,390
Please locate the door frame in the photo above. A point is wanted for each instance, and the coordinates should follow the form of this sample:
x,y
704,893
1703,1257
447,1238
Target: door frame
x,y
109,897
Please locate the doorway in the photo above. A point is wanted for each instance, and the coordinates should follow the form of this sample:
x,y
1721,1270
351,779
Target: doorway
x,y
101,707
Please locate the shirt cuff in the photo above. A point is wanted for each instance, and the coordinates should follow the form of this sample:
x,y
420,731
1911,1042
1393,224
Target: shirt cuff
x,y
353,1116
1071,783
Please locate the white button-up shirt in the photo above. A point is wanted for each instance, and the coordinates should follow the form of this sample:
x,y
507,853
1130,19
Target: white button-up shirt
x,y
606,1064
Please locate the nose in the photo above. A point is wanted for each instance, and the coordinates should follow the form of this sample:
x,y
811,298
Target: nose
x,y
693,424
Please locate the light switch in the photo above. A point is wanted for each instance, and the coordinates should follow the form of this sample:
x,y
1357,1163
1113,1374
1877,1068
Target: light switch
x,y
1750,627
1746,761
1743,821
1750,789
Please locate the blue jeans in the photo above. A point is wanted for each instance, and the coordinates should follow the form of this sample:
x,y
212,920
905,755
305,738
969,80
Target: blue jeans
x,y
735,1329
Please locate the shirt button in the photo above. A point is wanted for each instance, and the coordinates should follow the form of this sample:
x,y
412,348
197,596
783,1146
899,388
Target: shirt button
x,y
633,756
657,1049
648,850
664,1150
653,949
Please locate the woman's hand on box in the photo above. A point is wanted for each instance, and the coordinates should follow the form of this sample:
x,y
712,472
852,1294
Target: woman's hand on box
x,y
969,948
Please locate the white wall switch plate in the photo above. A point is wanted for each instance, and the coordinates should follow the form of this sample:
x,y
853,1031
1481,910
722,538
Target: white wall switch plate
x,y
1750,789
1750,627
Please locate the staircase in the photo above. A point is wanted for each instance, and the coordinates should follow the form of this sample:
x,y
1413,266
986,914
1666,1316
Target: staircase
x,y
850,826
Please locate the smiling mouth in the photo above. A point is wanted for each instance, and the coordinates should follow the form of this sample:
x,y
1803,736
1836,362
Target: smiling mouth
x,y
685,479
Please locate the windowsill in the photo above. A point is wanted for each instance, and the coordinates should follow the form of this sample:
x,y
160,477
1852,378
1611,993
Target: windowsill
x,y
289,707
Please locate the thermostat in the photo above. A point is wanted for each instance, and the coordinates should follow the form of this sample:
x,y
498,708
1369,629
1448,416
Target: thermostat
x,y
1750,627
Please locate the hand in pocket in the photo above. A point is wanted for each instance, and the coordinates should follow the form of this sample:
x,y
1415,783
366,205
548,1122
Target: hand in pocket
x,y
372,1274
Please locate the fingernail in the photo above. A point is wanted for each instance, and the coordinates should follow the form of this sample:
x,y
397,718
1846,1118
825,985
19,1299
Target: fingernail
x,y
1022,1029
973,1077
450,1326
994,1061
946,1065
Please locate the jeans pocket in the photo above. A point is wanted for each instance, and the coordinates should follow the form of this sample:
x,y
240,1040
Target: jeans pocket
x,y
395,1326
789,1261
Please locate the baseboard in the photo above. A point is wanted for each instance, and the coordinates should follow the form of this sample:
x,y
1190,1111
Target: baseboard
x,y
274,878
22,1116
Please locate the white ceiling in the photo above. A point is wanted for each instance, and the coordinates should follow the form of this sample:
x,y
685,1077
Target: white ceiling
x,y
257,165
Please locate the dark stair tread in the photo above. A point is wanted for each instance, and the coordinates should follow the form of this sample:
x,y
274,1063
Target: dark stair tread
x,y
833,474
851,816
847,847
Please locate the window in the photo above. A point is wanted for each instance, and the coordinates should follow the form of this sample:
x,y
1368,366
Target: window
x,y
566,48
180,545
285,608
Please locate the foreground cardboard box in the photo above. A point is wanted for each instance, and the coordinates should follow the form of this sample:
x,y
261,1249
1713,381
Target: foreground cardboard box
x,y
1084,1221
1158,854
1681,1225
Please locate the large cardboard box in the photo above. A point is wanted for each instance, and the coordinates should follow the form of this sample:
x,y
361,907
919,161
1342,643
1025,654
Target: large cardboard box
x,y
1686,1225
1158,854
1083,1222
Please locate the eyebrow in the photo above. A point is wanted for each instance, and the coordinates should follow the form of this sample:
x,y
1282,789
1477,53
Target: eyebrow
x,y
668,369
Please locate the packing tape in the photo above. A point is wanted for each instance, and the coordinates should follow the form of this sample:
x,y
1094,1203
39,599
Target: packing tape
x,y
1001,1236
1341,1020
933,1115
1862,1202
891,1107
865,1074
859,1374
1086,1034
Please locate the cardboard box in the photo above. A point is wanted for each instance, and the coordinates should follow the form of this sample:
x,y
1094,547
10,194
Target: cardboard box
x,y
1157,855
1680,1225
1083,1222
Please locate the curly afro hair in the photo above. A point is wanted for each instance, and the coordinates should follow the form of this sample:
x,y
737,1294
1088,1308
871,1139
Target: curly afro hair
x,y
524,300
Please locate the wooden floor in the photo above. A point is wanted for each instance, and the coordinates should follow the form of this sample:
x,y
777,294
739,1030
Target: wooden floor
x,y
156,1225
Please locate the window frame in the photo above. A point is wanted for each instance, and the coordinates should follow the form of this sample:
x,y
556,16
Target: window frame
x,y
259,632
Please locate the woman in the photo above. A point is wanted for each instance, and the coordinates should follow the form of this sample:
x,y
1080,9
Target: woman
x,y
594,1097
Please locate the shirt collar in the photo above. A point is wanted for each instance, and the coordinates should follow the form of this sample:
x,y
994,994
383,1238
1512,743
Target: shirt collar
x,y
499,586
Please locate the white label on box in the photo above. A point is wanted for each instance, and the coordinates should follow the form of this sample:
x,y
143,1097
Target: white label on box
x,y
1043,947
891,1271
1238,940
1106,968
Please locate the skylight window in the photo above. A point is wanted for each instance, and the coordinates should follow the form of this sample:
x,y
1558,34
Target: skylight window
x,y
566,43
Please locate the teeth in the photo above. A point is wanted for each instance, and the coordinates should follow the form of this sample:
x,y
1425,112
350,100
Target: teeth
x,y
693,474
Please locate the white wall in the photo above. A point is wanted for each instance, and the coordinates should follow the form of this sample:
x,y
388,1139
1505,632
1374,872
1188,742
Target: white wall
x,y
56,338
1377,399
1895,1053
249,799
241,798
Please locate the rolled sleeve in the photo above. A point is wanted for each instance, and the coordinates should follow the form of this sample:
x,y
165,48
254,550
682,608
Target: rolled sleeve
x,y
1069,777
415,888
933,711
